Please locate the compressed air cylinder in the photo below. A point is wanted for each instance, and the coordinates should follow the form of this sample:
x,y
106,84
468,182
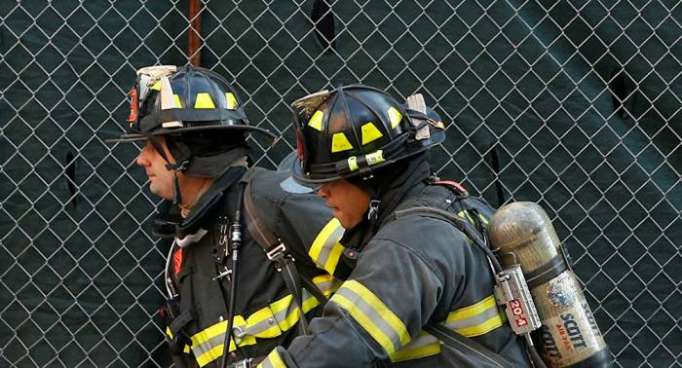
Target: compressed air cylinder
x,y
569,336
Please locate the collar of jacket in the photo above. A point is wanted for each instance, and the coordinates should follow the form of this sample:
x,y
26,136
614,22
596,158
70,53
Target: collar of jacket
x,y
208,201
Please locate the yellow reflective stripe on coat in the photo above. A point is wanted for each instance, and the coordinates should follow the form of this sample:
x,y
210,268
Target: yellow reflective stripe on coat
x,y
286,312
372,314
326,249
327,284
470,321
422,346
271,321
267,322
476,319
273,360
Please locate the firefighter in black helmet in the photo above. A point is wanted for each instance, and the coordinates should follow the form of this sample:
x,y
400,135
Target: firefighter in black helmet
x,y
404,271
194,129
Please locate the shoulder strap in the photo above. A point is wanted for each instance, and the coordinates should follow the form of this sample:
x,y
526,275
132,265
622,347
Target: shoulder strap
x,y
461,225
472,350
254,224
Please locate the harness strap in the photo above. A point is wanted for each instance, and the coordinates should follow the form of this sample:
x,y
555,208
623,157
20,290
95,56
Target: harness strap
x,y
463,226
180,314
461,343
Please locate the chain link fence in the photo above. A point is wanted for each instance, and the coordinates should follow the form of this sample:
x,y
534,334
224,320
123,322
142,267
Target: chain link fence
x,y
573,104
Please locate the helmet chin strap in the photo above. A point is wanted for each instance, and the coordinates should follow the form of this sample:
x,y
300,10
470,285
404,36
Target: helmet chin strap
x,y
178,168
373,211
368,185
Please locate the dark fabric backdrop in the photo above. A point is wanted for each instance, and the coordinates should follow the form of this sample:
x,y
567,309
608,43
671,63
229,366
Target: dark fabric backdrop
x,y
575,105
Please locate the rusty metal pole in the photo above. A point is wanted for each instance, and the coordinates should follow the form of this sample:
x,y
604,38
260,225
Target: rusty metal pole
x,y
194,34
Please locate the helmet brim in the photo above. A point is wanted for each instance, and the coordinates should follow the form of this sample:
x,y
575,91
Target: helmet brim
x,y
437,137
136,137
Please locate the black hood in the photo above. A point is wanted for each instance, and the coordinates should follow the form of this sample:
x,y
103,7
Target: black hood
x,y
390,187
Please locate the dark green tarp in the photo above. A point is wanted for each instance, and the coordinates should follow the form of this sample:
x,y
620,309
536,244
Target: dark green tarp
x,y
574,104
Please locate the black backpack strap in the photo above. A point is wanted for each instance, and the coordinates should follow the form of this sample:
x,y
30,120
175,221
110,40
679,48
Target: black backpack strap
x,y
472,350
277,252
468,229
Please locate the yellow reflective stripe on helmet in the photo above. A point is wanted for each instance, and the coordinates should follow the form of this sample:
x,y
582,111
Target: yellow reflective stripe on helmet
x,y
273,360
172,124
372,314
156,86
204,101
340,143
177,101
375,157
370,133
231,100
394,116
422,346
353,163
315,121
326,249
476,319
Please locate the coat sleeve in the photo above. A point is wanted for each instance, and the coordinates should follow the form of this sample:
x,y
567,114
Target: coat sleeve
x,y
390,295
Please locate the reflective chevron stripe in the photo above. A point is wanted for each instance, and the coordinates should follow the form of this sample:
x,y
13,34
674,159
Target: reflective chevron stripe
x,y
326,249
372,315
267,322
476,319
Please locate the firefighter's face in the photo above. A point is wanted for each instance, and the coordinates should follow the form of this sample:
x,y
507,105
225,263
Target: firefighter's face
x,y
347,200
160,178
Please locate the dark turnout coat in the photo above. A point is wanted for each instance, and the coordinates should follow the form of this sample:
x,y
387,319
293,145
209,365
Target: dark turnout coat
x,y
265,315
402,273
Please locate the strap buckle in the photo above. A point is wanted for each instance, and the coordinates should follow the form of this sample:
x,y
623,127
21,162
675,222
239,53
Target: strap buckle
x,y
244,363
277,252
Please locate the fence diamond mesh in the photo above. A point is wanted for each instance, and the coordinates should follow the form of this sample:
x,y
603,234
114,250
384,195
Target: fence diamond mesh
x,y
573,104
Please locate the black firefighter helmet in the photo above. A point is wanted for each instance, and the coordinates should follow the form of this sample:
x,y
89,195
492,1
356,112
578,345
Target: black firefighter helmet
x,y
198,112
167,99
354,130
